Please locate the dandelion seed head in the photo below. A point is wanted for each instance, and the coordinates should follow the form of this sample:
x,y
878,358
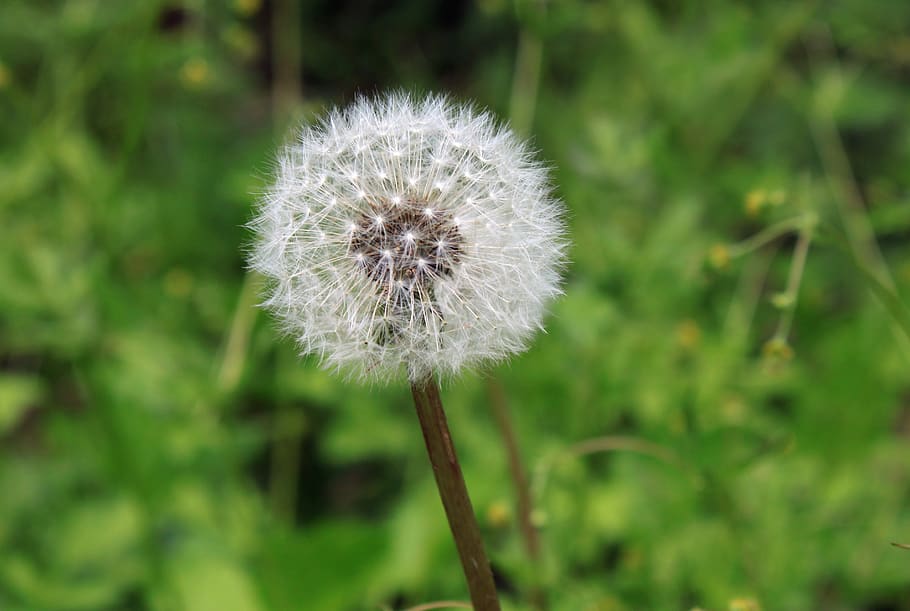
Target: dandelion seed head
x,y
432,240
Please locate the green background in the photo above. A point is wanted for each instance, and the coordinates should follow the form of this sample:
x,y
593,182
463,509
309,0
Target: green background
x,y
707,423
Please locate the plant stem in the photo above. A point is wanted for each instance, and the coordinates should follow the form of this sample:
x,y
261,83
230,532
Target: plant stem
x,y
233,358
529,533
525,81
288,427
454,495
848,198
800,252
767,235
286,57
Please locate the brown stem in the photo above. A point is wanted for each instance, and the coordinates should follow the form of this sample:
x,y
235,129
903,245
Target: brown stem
x,y
529,533
454,494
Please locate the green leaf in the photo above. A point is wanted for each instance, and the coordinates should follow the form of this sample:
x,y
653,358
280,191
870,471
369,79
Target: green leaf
x,y
17,394
207,578
328,565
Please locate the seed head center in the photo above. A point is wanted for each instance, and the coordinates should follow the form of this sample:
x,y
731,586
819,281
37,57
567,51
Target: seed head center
x,y
412,246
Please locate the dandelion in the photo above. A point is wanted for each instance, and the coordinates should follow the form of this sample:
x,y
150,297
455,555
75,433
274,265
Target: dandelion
x,y
409,236
417,238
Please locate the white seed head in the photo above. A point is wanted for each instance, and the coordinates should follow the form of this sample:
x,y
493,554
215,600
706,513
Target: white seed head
x,y
409,235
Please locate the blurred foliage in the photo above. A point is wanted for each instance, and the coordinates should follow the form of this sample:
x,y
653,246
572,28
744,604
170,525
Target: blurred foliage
x,y
708,423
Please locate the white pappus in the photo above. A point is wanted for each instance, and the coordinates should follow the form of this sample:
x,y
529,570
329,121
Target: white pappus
x,y
406,235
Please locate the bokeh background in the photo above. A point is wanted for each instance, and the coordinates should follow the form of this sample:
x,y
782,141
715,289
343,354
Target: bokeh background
x,y
718,416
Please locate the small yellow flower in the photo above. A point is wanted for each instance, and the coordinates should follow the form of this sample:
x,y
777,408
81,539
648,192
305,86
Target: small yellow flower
x,y
744,604
777,348
755,200
247,8
719,256
688,334
498,514
195,73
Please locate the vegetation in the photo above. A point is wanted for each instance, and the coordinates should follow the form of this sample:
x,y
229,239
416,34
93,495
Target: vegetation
x,y
718,416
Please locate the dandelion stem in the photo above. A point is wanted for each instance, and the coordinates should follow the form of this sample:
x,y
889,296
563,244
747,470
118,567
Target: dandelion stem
x,y
454,495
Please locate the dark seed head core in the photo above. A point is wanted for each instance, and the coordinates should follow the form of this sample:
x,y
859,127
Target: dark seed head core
x,y
403,247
